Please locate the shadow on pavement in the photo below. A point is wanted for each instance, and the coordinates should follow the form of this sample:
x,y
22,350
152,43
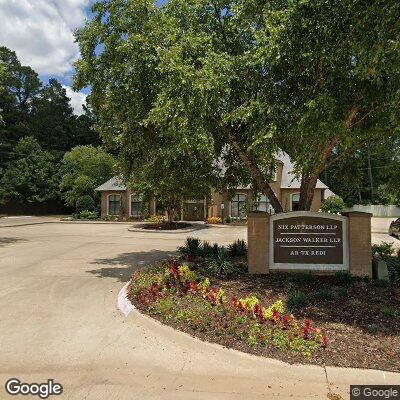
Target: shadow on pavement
x,y
10,240
124,265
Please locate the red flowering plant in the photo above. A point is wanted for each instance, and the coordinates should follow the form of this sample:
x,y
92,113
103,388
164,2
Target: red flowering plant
x,y
174,291
307,329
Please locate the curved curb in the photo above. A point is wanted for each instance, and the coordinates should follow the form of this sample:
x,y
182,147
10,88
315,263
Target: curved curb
x,y
192,228
123,303
176,334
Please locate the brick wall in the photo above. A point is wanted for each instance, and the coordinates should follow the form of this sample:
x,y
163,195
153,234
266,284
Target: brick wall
x,y
359,243
124,202
360,253
258,243
286,199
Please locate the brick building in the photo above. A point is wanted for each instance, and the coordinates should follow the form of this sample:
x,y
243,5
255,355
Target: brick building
x,y
117,199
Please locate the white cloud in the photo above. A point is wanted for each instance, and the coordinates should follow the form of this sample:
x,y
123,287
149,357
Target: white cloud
x,y
41,32
77,99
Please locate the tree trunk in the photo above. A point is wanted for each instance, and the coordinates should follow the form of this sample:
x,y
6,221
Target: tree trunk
x,y
307,190
170,207
252,167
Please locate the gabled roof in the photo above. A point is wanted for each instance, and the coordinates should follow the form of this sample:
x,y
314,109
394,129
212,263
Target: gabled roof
x,y
289,181
115,183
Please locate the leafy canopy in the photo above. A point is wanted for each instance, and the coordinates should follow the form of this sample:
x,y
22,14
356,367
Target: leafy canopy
x,y
31,176
82,170
240,79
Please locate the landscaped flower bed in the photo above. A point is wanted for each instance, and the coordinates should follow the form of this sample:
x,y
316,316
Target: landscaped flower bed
x,y
176,295
360,317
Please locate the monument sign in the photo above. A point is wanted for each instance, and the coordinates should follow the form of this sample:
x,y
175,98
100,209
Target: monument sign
x,y
309,241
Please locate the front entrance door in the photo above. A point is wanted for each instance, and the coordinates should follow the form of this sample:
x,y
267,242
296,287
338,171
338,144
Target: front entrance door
x,y
193,211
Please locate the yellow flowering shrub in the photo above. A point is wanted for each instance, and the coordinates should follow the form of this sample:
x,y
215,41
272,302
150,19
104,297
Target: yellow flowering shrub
x,y
204,285
214,220
186,274
157,218
248,303
221,298
278,306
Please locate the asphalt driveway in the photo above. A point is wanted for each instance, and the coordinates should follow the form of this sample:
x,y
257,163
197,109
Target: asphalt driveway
x,y
58,319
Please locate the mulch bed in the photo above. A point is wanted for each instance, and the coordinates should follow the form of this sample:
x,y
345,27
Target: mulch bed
x,y
165,226
360,335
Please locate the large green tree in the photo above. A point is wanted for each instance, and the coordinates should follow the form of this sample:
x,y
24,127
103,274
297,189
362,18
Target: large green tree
x,y
19,87
164,162
240,79
31,175
370,176
82,170
52,119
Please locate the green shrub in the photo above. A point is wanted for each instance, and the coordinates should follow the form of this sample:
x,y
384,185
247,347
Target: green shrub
x,y
88,214
206,249
228,220
191,247
219,266
388,312
383,250
308,278
394,270
237,248
85,203
296,301
382,283
324,294
343,278
333,205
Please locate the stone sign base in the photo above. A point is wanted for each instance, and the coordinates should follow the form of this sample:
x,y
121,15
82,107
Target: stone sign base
x,y
307,241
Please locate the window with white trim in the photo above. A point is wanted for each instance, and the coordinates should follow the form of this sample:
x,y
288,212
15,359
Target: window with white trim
x,y
238,205
114,204
263,204
136,206
295,202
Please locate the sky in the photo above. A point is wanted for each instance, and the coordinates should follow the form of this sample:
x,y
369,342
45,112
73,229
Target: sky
x,y
41,34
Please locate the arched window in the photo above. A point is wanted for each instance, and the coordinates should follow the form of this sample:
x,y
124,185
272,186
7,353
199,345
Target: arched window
x,y
295,202
114,204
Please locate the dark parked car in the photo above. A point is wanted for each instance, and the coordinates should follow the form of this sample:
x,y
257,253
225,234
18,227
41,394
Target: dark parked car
x,y
394,229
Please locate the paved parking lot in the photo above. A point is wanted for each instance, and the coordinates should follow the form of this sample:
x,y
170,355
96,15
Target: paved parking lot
x,y
58,319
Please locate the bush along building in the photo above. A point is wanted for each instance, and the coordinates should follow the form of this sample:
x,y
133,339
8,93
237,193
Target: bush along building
x,y
118,201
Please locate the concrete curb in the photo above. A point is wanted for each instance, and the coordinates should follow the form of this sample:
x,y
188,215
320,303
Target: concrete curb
x,y
66,222
194,227
379,376
123,303
96,222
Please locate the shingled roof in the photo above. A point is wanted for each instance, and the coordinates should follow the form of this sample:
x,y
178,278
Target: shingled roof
x,y
289,181
115,183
